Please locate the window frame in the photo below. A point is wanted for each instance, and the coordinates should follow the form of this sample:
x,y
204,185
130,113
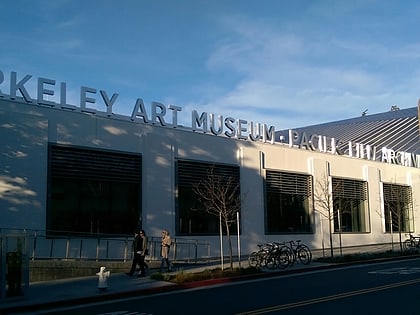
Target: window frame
x,y
84,194
352,195
199,222
288,187
392,192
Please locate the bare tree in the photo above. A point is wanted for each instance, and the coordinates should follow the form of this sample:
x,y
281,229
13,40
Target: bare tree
x,y
330,197
324,204
220,196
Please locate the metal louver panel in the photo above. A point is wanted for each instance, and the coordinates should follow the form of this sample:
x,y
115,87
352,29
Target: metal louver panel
x,y
349,188
289,183
91,164
397,193
189,172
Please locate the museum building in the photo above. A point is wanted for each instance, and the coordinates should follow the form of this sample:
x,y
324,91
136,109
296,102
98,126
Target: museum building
x,y
81,170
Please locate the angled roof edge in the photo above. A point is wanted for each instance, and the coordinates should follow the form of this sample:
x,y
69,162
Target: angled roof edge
x,y
396,129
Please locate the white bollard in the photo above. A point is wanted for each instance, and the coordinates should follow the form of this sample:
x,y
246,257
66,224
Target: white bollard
x,y
103,276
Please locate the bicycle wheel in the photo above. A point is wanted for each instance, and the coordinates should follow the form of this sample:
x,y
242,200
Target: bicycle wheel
x,y
271,261
304,254
409,246
284,257
254,260
293,257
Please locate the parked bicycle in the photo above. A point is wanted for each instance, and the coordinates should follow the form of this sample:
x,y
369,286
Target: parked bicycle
x,y
258,258
280,255
300,252
412,243
270,255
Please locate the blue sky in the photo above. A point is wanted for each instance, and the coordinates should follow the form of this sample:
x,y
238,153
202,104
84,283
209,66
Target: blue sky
x,y
284,63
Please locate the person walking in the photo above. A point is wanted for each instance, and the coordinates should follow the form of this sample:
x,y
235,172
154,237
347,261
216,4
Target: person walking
x,y
165,246
143,252
140,251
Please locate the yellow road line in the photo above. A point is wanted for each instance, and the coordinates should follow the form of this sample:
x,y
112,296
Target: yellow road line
x,y
329,298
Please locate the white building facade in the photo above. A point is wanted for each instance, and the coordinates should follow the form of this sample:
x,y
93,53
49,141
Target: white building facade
x,y
78,170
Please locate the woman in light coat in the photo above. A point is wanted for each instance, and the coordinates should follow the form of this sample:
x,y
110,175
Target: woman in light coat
x,y
165,246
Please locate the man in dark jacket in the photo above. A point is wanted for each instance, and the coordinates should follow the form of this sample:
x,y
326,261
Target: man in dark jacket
x,y
139,249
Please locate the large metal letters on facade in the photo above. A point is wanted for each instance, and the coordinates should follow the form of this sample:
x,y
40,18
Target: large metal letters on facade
x,y
51,94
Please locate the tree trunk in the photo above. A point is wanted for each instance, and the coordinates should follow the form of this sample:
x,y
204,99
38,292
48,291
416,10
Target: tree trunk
x,y
331,236
399,232
230,244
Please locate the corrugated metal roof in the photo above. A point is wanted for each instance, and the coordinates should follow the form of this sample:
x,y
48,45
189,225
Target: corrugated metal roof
x,y
397,130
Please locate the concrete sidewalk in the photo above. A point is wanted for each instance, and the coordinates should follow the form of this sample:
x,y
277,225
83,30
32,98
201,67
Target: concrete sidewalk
x,y
61,293
65,292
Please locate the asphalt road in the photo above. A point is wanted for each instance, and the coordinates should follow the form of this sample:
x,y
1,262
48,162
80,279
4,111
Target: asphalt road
x,y
379,288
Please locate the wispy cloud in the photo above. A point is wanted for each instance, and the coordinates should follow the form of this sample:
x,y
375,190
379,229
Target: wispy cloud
x,y
284,64
292,73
